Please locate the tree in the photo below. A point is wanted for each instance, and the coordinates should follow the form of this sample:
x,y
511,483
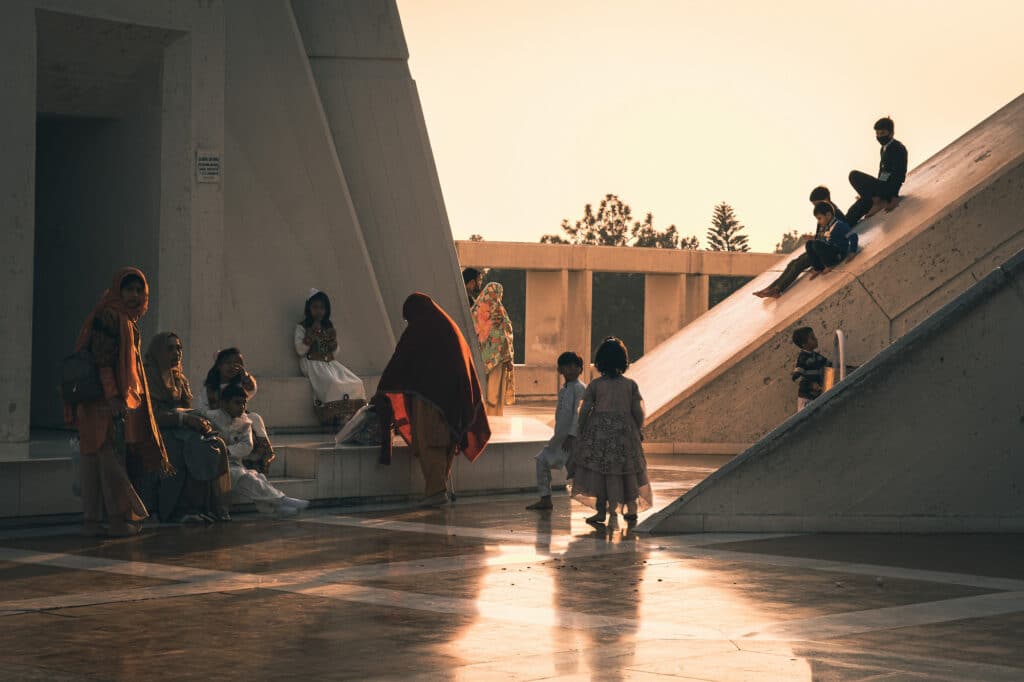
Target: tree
x,y
723,235
613,225
476,237
689,243
791,241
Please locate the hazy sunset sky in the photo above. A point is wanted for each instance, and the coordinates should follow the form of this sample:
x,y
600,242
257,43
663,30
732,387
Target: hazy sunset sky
x,y
535,108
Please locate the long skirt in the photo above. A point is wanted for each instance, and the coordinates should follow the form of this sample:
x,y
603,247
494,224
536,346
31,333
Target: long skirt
x,y
499,389
432,445
608,467
107,492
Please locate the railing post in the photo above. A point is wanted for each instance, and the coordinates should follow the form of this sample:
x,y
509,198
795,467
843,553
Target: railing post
x,y
664,307
697,297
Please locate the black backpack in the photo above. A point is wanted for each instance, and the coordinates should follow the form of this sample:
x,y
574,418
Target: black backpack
x,y
80,379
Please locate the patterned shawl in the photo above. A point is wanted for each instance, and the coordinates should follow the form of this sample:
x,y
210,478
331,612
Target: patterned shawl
x,y
493,327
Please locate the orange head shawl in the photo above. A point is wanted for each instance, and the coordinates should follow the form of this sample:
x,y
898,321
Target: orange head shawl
x,y
432,362
141,431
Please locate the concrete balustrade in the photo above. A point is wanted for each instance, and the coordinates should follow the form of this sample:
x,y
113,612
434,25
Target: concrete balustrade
x,y
559,293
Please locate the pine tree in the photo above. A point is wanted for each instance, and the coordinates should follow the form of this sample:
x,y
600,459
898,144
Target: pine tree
x,y
723,235
612,224
791,241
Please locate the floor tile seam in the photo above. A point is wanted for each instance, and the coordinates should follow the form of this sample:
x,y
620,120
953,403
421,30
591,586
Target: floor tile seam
x,y
122,596
527,537
850,623
889,660
142,569
692,550
877,570
498,611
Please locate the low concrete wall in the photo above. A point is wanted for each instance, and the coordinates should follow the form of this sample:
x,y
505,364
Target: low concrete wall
x,y
926,437
725,377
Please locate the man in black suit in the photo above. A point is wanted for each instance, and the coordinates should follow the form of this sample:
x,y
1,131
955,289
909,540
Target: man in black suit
x,y
883,191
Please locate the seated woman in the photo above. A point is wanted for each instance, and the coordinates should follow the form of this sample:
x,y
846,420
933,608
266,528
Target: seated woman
x,y
236,428
494,331
229,370
200,490
337,391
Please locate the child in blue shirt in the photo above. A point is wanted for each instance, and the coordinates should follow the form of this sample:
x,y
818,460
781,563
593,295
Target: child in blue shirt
x,y
567,413
833,246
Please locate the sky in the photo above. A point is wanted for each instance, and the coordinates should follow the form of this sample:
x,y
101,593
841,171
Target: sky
x,y
537,107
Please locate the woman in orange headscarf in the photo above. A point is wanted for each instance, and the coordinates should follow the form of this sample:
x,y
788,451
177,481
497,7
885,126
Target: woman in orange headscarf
x,y
121,425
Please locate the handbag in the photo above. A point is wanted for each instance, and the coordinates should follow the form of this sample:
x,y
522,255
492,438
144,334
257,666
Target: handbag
x,y
80,379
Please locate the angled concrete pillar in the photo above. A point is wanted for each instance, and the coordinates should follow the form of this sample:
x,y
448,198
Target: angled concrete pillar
x,y
698,290
17,217
664,307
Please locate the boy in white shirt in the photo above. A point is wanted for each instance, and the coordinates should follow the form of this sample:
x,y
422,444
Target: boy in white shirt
x,y
567,413
235,427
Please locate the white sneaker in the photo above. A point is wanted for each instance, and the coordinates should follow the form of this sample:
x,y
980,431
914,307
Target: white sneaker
x,y
294,503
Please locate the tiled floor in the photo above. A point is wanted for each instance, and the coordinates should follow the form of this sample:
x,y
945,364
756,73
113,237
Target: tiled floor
x,y
488,591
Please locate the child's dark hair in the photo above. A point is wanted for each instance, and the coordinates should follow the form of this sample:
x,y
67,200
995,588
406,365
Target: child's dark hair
x,y
885,123
824,208
469,274
612,358
322,298
801,335
233,391
821,193
570,359
213,376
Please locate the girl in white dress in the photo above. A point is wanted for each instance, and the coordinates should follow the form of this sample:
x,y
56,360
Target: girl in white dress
x,y
336,389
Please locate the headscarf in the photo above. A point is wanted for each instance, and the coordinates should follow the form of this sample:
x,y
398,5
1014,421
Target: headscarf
x,y
432,362
141,431
178,390
493,327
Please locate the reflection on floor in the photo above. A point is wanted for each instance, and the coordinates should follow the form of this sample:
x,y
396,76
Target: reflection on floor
x,y
488,591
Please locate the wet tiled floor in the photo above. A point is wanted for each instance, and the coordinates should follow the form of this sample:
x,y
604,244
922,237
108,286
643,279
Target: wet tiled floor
x,y
488,591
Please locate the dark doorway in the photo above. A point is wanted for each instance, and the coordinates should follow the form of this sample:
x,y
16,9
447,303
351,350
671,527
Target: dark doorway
x,y
97,193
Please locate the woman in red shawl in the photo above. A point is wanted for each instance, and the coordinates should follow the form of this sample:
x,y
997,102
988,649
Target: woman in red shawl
x,y
111,334
430,394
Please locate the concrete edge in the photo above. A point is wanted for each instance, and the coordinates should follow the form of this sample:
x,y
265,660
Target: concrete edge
x,y
884,524
1001,277
866,260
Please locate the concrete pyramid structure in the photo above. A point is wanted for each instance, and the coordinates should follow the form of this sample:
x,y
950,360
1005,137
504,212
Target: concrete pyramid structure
x,y
926,437
725,377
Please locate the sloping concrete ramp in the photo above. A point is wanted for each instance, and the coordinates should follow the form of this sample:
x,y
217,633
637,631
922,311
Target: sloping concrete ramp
x,y
926,437
725,377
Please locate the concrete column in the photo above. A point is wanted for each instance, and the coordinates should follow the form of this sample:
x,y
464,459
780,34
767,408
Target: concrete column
x,y
664,307
697,293
17,218
208,257
578,311
546,302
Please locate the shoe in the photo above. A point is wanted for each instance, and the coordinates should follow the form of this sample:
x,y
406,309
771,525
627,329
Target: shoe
x,y
437,500
92,529
295,503
222,516
630,519
541,504
193,518
597,519
286,511
123,529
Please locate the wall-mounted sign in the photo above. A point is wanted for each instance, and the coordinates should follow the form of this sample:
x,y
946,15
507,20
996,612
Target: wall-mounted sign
x,y
207,166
